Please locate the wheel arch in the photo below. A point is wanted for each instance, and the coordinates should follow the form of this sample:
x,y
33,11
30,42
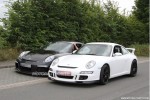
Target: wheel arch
x,y
107,65
134,61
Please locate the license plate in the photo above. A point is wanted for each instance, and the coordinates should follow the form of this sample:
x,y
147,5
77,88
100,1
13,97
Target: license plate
x,y
64,73
25,65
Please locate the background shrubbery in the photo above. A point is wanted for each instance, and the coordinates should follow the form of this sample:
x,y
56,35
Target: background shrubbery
x,y
33,23
141,50
8,54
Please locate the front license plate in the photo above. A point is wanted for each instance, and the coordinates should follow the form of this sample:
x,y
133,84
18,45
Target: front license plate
x,y
25,65
64,73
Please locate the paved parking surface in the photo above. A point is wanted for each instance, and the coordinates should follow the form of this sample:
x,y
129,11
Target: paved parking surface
x,y
15,86
10,76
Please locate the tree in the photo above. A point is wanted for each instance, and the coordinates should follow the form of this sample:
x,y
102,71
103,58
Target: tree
x,y
3,42
141,12
33,23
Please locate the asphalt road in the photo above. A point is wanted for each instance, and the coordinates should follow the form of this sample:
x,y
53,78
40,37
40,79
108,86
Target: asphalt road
x,y
15,86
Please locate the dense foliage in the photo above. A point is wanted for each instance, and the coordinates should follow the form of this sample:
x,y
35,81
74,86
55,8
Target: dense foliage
x,y
33,23
141,12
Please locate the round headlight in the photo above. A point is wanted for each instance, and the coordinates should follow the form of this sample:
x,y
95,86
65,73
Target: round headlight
x,y
49,59
55,62
90,64
23,53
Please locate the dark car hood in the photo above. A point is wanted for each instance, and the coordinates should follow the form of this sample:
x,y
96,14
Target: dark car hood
x,y
39,55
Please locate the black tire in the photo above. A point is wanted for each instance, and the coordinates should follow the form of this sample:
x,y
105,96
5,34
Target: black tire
x,y
133,70
104,75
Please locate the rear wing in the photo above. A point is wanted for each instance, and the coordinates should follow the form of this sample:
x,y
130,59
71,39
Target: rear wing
x,y
131,50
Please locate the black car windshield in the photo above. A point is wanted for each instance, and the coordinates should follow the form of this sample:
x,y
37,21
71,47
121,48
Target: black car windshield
x,y
95,49
62,47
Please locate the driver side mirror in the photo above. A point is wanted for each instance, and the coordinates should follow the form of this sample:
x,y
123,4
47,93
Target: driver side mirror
x,y
117,54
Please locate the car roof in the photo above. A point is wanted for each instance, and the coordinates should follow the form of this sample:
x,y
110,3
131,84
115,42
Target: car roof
x,y
72,42
106,43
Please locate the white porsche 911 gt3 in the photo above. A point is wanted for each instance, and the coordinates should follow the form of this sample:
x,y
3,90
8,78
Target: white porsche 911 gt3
x,y
97,61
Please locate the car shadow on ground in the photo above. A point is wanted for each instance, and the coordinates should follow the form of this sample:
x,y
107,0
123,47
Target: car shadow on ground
x,y
119,78
91,84
76,85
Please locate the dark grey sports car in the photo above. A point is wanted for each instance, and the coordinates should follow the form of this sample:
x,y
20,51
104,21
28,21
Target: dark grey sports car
x,y
37,62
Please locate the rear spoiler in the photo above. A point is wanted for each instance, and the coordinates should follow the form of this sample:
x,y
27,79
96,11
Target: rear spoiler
x,y
131,50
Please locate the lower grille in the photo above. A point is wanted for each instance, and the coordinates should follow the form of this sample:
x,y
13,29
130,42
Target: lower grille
x,y
34,69
51,74
41,69
66,77
25,69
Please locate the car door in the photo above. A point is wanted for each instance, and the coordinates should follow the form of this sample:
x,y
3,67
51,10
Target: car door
x,y
117,62
126,57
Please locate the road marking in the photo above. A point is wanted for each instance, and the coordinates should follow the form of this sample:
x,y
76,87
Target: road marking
x,y
23,83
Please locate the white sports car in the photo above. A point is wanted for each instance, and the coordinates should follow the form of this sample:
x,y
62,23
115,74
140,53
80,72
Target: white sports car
x,y
97,61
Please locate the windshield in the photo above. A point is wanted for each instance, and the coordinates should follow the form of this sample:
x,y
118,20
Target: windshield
x,y
62,47
95,49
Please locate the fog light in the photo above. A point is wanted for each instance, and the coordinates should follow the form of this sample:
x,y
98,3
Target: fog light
x,y
86,72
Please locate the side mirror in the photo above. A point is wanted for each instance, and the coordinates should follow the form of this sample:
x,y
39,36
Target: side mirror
x,y
117,54
74,51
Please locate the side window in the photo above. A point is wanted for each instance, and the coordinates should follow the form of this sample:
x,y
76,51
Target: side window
x,y
117,49
79,45
124,51
76,46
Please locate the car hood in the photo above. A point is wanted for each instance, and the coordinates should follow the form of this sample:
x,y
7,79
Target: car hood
x,y
41,55
81,60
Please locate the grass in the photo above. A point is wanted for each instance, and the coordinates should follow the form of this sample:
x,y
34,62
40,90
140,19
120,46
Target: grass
x,y
12,53
141,49
8,54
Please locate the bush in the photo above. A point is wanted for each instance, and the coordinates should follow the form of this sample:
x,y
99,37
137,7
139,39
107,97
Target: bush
x,y
141,49
33,23
8,54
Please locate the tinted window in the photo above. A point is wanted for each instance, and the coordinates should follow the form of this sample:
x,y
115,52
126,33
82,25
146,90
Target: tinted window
x,y
79,45
117,49
124,51
62,47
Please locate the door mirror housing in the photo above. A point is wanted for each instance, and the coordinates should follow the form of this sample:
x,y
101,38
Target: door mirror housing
x,y
117,54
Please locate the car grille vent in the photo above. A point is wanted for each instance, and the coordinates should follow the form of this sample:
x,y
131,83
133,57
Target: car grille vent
x,y
67,67
26,60
66,77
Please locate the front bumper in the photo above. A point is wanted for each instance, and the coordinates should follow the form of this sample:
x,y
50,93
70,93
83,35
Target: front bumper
x,y
75,76
31,68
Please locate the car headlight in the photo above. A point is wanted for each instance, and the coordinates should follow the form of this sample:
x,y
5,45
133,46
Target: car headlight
x,y
48,59
90,64
55,62
23,53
